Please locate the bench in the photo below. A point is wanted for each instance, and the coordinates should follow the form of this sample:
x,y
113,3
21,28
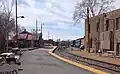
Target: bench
x,y
111,53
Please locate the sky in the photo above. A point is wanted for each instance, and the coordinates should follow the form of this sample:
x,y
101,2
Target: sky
x,y
56,16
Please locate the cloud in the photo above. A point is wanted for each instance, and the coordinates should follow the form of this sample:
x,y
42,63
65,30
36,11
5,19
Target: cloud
x,y
23,2
55,14
117,4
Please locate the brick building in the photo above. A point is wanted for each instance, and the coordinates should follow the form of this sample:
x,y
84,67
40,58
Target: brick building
x,y
27,39
104,32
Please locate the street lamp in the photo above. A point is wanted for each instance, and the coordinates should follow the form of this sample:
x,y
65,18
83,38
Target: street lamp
x,y
17,22
20,17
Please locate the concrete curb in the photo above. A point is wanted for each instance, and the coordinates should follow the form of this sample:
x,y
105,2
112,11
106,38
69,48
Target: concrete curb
x,y
77,64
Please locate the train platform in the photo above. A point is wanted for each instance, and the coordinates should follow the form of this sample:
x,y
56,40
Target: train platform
x,y
96,57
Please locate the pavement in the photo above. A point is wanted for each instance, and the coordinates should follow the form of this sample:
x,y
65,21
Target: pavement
x,y
8,68
26,49
39,61
96,57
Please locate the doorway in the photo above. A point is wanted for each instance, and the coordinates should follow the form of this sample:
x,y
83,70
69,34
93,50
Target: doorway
x,y
111,41
118,49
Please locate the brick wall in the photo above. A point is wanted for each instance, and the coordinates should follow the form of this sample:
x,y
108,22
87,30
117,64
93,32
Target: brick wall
x,y
117,35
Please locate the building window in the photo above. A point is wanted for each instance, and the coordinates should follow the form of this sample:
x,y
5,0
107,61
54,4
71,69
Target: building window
x,y
107,25
117,23
91,43
103,36
97,27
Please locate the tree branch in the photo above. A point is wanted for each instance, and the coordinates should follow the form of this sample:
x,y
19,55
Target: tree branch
x,y
96,7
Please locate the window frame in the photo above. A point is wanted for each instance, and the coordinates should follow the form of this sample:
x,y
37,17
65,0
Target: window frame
x,y
107,25
117,22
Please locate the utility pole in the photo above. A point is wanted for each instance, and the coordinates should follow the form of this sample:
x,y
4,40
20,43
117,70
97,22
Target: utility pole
x,y
40,37
52,37
48,35
88,30
41,30
32,38
36,32
16,24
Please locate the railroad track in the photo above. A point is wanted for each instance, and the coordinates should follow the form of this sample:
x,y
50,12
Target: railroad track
x,y
112,68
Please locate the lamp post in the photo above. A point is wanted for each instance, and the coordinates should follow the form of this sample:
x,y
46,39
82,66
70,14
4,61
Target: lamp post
x,y
17,21
16,27
36,32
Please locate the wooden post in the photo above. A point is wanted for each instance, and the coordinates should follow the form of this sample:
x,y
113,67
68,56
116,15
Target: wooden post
x,y
88,30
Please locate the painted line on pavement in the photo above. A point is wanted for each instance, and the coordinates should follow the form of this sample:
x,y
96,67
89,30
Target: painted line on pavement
x,y
52,49
79,65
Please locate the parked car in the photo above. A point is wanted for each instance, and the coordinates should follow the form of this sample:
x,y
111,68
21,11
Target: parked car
x,y
17,51
72,43
10,58
49,46
1,60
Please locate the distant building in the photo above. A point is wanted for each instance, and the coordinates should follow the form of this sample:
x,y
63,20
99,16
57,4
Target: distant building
x,y
104,32
50,41
82,41
72,43
27,39
78,42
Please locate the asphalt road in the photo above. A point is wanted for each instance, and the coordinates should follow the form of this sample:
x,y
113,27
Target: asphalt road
x,y
40,62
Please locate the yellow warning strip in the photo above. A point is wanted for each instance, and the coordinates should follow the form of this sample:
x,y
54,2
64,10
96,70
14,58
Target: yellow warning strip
x,y
79,65
52,49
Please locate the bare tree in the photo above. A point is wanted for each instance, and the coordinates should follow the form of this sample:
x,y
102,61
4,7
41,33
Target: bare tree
x,y
6,14
96,7
7,23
